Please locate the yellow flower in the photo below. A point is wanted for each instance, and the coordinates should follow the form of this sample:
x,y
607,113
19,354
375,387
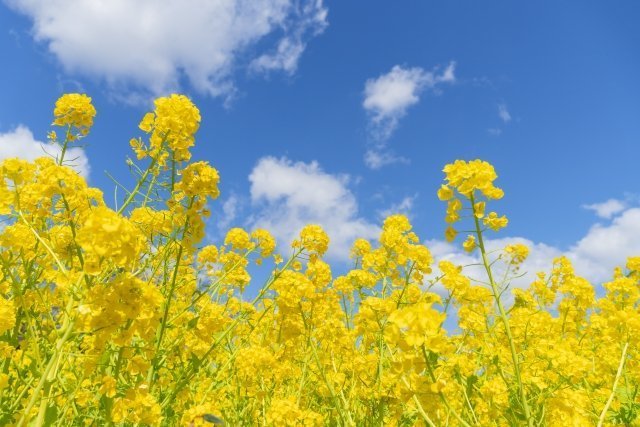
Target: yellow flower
x,y
105,235
476,175
266,242
239,240
445,193
108,387
208,254
633,263
470,244
74,109
517,253
450,234
4,381
7,315
360,248
199,179
313,239
174,122
495,222
478,209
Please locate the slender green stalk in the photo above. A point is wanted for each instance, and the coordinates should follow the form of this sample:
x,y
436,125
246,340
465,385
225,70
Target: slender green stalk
x,y
623,359
503,317
49,371
64,145
421,410
441,394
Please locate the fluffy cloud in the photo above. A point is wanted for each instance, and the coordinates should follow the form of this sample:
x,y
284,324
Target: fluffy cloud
x,y
387,99
152,45
20,142
607,209
608,245
288,195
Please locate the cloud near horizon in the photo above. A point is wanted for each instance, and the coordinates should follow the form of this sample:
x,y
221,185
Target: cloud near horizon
x,y
594,256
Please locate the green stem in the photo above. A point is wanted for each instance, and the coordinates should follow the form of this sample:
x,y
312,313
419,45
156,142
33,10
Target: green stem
x,y
165,315
441,394
503,316
64,145
49,372
138,186
623,359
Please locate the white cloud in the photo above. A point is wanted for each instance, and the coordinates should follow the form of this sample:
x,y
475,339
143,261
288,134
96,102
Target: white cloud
x,y
404,206
21,143
289,195
608,245
150,46
380,156
312,21
607,209
503,113
387,97
230,208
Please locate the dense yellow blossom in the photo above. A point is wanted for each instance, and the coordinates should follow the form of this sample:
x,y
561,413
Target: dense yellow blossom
x,y
516,253
7,315
199,179
468,177
74,109
173,123
313,239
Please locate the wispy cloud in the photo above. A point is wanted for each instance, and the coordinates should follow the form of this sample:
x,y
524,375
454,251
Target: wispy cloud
x,y
378,156
387,99
404,206
503,113
505,116
607,209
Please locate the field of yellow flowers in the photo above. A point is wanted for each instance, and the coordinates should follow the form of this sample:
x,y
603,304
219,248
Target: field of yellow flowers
x,y
122,316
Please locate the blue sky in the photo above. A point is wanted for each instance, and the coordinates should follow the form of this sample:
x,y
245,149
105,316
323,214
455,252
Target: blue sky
x,y
546,91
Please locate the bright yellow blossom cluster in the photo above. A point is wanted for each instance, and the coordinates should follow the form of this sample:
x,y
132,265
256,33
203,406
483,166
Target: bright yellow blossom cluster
x,y
74,112
74,109
473,181
122,316
172,124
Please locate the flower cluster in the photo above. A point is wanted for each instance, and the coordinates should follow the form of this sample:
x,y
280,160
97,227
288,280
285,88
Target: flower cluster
x,y
172,127
473,181
76,110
